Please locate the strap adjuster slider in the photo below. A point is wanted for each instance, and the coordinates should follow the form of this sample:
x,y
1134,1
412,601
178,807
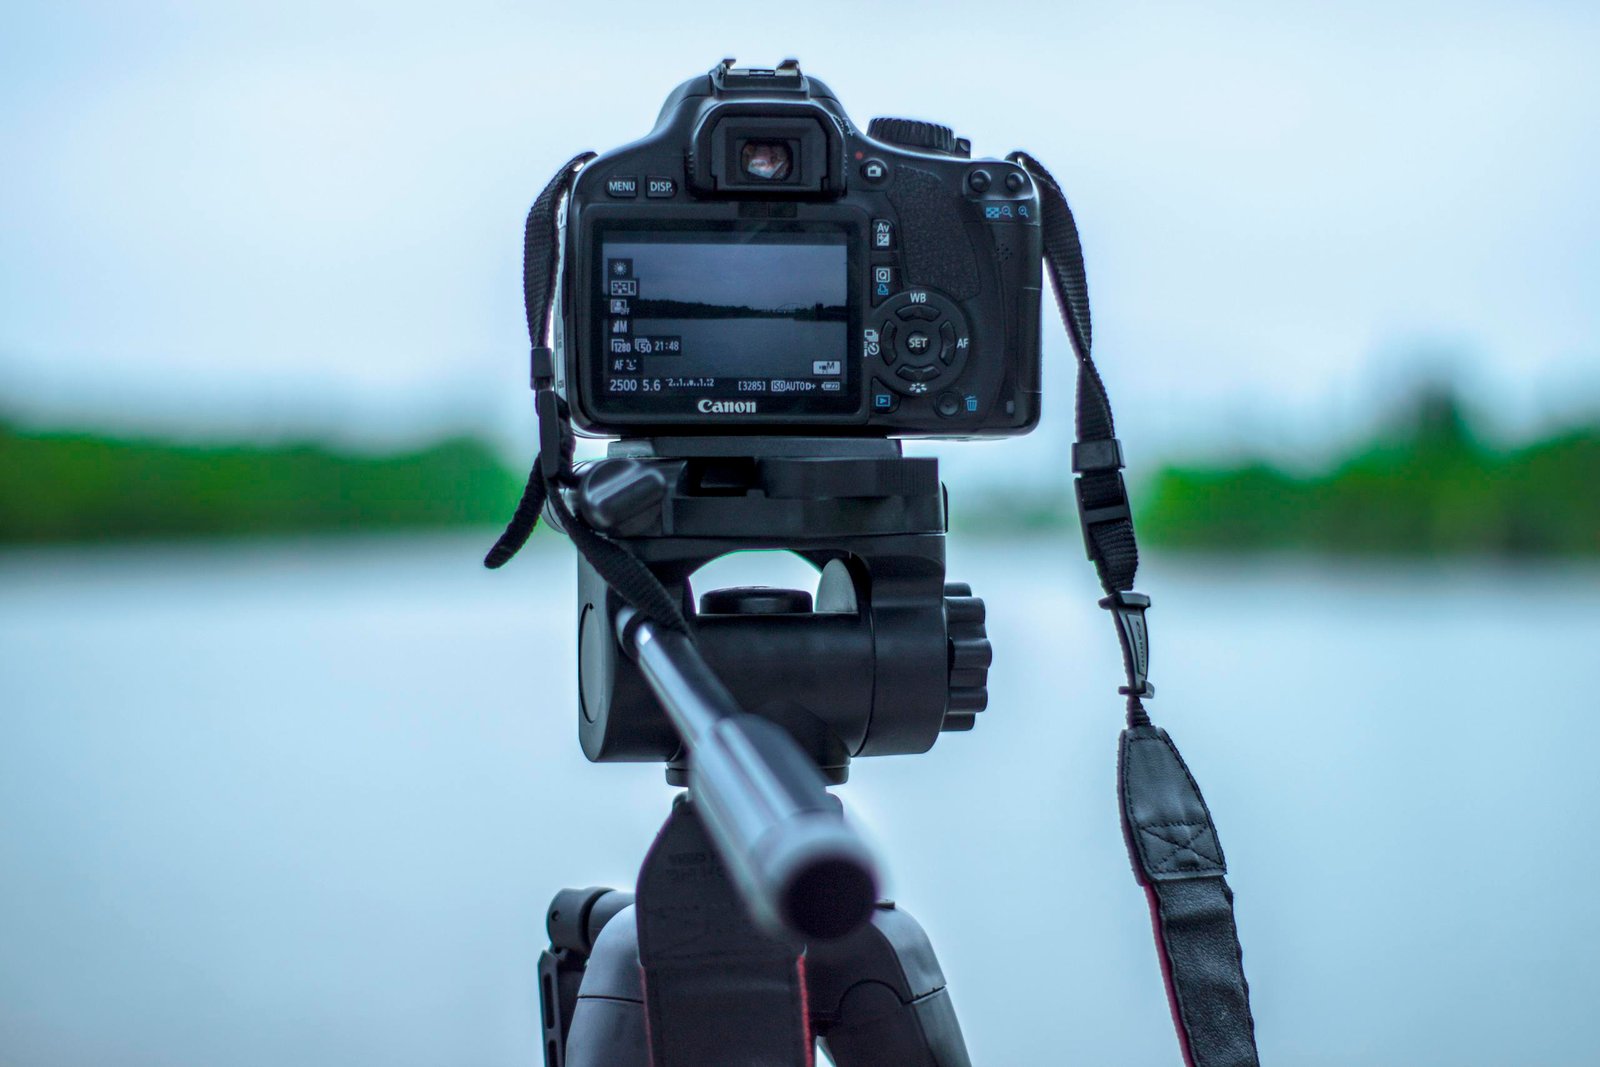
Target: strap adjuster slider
x,y
541,368
1111,507
1102,455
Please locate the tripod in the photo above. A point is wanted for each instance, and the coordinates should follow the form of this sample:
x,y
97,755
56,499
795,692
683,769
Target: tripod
x,y
754,928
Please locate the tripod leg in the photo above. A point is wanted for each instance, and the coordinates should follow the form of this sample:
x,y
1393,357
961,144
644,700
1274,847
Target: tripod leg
x,y
608,1028
878,997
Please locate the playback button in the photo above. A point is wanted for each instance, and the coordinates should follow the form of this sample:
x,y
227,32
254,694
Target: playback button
x,y
883,398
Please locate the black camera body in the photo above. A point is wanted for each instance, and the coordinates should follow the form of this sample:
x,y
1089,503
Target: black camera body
x,y
758,265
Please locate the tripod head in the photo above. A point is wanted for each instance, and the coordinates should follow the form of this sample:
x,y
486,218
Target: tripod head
x,y
883,659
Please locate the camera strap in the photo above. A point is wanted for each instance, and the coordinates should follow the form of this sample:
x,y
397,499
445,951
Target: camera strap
x,y
1171,839
552,467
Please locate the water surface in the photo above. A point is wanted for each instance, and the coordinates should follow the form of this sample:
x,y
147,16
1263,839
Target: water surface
x,y
305,803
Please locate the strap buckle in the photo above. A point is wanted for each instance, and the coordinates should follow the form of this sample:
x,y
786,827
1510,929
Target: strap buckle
x,y
555,435
1097,458
1128,608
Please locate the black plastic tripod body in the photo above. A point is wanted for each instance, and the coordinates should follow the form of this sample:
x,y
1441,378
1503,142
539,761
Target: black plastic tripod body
x,y
691,971
721,992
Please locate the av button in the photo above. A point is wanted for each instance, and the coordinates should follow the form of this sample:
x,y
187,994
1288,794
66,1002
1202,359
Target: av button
x,y
622,188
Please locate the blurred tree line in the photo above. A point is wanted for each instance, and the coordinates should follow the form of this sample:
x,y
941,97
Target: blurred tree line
x,y
83,487
1426,484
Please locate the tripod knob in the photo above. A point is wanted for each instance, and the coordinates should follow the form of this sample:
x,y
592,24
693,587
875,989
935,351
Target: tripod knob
x,y
970,656
755,600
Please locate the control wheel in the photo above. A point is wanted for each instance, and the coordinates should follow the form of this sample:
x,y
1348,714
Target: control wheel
x,y
913,133
923,341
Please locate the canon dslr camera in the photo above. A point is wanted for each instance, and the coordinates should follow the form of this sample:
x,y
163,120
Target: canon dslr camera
x,y
757,264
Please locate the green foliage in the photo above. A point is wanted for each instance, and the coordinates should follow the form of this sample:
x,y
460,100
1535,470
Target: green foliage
x,y
81,487
1428,488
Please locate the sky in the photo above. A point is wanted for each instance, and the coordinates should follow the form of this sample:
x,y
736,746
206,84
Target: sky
x,y
258,218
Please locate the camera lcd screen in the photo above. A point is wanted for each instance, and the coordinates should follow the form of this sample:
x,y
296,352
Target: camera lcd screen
x,y
747,321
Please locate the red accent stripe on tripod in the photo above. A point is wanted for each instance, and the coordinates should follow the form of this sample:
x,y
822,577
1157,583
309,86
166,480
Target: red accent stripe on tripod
x,y
805,1011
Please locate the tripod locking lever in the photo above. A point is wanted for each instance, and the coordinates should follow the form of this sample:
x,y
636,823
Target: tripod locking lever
x,y
615,495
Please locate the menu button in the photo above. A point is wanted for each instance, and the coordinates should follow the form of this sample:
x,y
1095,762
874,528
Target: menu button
x,y
622,187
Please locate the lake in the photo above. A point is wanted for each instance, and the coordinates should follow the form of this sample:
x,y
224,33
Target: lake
x,y
306,802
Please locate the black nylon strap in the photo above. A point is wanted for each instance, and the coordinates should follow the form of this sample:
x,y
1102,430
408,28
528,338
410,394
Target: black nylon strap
x,y
523,520
540,254
1172,841
540,257
1101,493
620,569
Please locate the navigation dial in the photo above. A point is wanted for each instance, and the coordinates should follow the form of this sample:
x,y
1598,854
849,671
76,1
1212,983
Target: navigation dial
x,y
924,340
